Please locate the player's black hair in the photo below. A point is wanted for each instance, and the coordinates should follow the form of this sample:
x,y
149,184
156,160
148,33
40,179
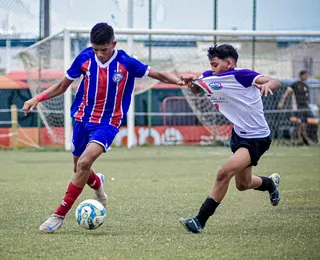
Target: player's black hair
x,y
222,52
101,34
302,72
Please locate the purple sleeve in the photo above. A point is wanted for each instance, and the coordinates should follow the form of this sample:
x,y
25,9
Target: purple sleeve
x,y
207,73
246,77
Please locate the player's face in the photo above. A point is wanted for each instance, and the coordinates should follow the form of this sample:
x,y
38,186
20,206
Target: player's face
x,y
104,52
219,66
304,76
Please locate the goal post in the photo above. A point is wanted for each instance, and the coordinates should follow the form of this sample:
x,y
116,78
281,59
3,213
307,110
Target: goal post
x,y
68,93
14,126
173,51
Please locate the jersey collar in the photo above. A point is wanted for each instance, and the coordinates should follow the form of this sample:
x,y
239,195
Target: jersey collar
x,y
106,64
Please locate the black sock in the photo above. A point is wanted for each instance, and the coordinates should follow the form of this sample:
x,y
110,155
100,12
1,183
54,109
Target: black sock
x,y
266,184
206,211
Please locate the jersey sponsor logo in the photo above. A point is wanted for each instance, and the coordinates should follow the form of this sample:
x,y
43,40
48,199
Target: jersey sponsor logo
x,y
117,77
215,85
217,100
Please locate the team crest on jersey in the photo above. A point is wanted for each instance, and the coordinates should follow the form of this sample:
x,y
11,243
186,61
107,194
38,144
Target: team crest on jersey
x,y
215,85
117,77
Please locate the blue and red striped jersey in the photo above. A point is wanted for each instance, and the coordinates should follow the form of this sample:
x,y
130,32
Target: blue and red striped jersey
x,y
104,93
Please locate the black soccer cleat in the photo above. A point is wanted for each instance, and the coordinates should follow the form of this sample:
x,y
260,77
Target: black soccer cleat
x,y
275,194
191,224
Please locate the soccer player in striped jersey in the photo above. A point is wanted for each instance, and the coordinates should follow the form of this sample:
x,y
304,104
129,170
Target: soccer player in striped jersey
x,y
236,93
100,106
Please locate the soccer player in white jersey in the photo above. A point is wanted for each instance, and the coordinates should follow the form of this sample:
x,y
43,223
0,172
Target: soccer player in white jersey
x,y
236,93
99,108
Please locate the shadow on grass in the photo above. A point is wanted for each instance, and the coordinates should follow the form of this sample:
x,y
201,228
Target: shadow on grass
x,y
93,233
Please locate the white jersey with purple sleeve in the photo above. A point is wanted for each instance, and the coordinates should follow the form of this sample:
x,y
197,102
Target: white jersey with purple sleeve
x,y
234,96
104,93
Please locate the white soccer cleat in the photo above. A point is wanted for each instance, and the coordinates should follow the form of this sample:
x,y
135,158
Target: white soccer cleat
x,y
275,194
51,224
99,194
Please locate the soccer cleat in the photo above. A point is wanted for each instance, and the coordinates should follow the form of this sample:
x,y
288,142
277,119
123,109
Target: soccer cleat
x,y
275,195
99,194
51,224
191,224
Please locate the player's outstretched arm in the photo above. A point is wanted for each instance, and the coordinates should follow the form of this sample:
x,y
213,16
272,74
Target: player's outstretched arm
x,y
51,92
284,97
165,77
266,85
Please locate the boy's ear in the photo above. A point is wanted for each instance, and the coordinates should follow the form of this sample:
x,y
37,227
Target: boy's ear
x,y
230,63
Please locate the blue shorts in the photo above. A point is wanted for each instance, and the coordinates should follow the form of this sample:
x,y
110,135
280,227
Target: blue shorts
x,y
84,133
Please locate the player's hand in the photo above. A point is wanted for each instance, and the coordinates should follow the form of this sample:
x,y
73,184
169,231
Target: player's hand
x,y
29,105
187,79
180,82
280,105
264,89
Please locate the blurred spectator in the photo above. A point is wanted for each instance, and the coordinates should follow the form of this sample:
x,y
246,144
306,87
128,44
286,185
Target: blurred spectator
x,y
299,91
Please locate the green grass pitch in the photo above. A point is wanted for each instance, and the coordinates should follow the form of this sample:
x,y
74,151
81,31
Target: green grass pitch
x,y
152,188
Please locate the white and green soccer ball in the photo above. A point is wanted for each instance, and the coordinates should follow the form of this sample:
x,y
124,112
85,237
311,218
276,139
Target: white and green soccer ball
x,y
90,214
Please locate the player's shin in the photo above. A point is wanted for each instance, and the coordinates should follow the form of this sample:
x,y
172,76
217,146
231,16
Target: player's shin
x,y
207,209
94,181
72,194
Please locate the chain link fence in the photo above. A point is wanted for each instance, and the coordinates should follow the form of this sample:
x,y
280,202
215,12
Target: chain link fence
x,y
21,21
165,113
163,106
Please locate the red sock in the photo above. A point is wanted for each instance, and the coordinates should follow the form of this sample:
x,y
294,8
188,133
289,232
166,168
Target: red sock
x,y
94,181
72,194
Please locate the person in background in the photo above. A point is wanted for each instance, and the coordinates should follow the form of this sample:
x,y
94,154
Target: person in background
x,y
299,90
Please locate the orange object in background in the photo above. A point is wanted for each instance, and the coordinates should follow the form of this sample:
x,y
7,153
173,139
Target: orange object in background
x,y
159,135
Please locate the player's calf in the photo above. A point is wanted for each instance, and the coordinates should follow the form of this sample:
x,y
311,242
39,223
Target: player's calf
x,y
242,186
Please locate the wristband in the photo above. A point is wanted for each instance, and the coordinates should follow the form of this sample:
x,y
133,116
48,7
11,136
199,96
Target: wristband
x,y
41,97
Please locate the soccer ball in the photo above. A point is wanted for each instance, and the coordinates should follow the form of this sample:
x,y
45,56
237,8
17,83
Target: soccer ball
x,y
90,214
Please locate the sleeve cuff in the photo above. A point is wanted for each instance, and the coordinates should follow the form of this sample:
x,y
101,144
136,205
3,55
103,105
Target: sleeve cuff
x,y
255,78
68,77
147,71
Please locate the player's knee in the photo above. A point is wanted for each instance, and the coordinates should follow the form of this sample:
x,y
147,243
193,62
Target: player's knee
x,y
242,186
224,175
83,164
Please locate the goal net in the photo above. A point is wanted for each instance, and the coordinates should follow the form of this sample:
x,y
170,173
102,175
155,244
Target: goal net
x,y
172,110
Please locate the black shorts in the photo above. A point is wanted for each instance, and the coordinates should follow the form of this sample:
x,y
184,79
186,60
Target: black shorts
x,y
256,146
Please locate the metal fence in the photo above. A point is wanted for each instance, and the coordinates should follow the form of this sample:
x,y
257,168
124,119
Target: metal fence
x,y
157,110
